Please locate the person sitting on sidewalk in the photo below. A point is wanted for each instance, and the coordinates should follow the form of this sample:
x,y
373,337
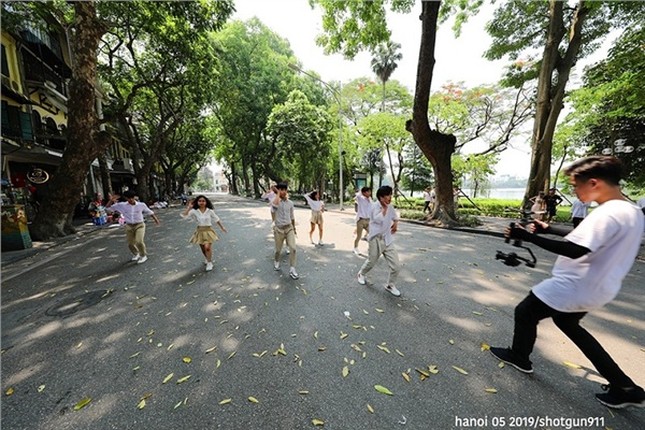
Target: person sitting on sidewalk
x,y
593,260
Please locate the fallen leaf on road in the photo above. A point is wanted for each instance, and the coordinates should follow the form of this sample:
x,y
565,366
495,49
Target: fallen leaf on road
x,y
383,348
209,350
460,370
9,391
184,379
433,369
253,399
345,371
186,359
379,310
225,401
491,390
370,408
41,388
303,392
406,376
381,389
343,335
317,422
168,378
572,365
485,346
82,403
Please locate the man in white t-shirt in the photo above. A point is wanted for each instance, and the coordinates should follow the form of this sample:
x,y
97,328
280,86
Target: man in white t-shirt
x,y
363,205
593,260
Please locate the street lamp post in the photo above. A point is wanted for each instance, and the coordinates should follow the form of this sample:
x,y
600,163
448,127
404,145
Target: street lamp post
x,y
337,95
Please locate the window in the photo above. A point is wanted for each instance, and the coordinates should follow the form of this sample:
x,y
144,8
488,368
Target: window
x,y
5,63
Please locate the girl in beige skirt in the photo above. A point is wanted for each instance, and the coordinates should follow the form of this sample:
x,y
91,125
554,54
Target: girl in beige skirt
x,y
201,210
317,207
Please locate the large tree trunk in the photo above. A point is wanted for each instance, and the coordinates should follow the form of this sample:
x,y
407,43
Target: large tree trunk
x,y
437,147
551,92
84,143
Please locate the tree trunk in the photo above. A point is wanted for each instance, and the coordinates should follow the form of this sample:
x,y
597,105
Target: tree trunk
x,y
105,175
84,143
437,147
551,93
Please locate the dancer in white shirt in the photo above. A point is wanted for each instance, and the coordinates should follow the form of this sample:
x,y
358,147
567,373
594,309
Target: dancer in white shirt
x,y
363,207
317,208
201,210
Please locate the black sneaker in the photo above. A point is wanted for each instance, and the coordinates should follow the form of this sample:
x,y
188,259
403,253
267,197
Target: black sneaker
x,y
619,398
508,356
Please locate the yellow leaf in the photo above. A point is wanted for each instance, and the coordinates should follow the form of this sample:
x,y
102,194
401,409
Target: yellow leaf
x,y
303,392
41,388
370,408
317,422
485,346
209,350
452,342
379,310
322,348
433,369
383,348
142,404
186,359
225,401
345,371
478,313
253,399
365,312
381,389
232,354
178,405
423,373
343,335
135,354
168,378
491,390
572,365
9,391
406,376
218,364
82,403
399,352
315,335
460,370
500,364
184,379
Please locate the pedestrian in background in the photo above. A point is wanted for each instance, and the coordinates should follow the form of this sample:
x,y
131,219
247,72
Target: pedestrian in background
x,y
593,260
269,196
317,207
427,198
284,229
384,222
551,202
538,207
133,213
363,208
579,211
200,210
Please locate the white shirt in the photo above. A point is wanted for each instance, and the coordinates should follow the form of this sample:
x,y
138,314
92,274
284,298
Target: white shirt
x,y
269,196
427,196
380,225
641,203
613,233
133,214
204,219
579,209
364,206
315,205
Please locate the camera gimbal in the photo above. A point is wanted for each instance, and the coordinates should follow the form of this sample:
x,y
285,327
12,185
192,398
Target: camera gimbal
x,y
512,259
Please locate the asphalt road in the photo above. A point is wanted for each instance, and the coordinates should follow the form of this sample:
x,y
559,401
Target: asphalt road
x,y
85,322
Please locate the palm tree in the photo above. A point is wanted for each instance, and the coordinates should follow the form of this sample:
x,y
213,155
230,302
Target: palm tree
x,y
384,62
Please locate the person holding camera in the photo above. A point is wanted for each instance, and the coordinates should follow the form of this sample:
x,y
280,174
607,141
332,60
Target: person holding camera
x,y
593,260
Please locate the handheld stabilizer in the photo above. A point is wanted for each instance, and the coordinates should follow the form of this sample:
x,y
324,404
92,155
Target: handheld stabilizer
x,y
512,259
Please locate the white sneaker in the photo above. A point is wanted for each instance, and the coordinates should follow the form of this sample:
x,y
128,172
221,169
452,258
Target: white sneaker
x,y
209,266
320,243
135,257
356,251
361,278
142,259
288,252
393,290
293,273
276,265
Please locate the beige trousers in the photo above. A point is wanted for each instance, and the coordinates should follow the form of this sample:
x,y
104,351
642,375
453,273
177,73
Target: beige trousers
x,y
280,234
135,234
376,249
361,224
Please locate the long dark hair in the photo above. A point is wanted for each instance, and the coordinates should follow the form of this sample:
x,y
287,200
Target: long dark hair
x,y
209,205
313,195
